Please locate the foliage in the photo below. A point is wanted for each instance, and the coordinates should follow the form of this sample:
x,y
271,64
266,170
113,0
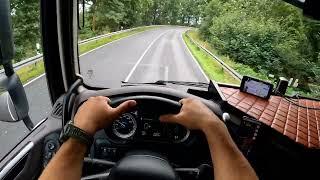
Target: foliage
x,y
249,71
238,67
269,36
26,26
117,14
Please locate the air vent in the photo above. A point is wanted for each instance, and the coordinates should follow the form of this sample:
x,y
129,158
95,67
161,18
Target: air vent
x,y
57,111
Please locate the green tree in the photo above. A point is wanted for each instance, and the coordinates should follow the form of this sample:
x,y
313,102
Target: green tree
x,y
26,27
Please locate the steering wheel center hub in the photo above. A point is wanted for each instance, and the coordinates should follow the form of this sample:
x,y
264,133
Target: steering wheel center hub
x,y
143,166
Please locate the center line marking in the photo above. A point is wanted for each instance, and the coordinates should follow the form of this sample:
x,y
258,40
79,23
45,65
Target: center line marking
x,y
166,73
140,59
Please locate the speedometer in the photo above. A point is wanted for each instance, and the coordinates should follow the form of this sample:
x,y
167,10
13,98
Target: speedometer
x,y
125,127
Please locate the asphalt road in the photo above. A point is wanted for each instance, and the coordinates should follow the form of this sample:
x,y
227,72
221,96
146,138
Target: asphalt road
x,y
149,56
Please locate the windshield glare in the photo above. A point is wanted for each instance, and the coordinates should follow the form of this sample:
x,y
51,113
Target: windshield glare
x,y
144,41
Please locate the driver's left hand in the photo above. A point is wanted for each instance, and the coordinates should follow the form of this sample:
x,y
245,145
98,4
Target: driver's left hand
x,y
96,114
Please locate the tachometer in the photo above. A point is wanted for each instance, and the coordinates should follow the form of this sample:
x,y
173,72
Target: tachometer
x,y
125,127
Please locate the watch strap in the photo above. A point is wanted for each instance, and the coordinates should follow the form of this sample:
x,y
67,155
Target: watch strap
x,y
71,130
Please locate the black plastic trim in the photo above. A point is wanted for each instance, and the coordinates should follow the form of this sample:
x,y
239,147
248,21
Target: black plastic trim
x,y
51,58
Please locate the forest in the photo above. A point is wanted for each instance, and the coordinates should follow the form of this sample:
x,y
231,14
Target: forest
x,y
270,36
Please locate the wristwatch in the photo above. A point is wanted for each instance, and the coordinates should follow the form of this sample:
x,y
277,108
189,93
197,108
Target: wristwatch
x,y
71,130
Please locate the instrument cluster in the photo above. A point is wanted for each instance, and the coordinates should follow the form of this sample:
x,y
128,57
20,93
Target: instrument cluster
x,y
138,127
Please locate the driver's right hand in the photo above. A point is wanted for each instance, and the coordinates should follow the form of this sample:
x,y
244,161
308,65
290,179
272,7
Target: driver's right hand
x,y
193,115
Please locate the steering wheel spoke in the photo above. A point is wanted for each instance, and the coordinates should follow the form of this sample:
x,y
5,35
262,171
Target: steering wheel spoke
x,y
104,175
99,162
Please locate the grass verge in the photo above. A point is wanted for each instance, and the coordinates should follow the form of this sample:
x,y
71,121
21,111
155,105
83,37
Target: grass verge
x,y
32,71
210,66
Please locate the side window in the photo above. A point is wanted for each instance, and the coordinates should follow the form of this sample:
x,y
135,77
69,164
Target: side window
x,y
28,65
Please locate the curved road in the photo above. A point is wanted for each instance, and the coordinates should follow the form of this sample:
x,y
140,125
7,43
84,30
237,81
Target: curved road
x,y
158,54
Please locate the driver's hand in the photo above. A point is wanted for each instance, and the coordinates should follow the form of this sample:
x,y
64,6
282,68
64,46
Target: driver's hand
x,y
96,114
193,115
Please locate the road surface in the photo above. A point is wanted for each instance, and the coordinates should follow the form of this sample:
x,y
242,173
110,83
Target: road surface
x,y
149,56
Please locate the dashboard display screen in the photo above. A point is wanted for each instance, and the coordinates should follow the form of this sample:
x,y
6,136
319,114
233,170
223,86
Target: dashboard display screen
x,y
256,87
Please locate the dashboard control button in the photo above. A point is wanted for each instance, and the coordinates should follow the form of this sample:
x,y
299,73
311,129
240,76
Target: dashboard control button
x,y
156,134
143,133
51,146
226,117
146,126
49,155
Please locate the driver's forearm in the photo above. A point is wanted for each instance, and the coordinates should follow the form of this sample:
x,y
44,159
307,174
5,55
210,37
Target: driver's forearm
x,y
229,162
67,163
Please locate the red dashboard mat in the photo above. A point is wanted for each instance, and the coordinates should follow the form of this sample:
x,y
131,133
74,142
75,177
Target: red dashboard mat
x,y
299,124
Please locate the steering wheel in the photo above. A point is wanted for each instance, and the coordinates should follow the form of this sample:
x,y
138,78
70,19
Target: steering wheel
x,y
145,165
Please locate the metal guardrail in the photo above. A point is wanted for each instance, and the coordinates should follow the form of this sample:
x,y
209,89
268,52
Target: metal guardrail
x,y
26,62
113,33
103,36
224,65
39,57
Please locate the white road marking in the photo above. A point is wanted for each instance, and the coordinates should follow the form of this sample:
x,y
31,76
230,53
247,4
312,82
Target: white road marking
x,y
33,80
10,109
143,54
195,59
166,73
38,124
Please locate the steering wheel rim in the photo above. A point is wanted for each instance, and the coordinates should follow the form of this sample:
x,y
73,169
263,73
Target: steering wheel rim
x,y
162,92
174,105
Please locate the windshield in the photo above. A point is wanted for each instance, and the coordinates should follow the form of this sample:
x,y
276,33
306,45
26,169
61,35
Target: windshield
x,y
144,41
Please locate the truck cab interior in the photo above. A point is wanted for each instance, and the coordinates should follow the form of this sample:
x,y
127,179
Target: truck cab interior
x,y
279,135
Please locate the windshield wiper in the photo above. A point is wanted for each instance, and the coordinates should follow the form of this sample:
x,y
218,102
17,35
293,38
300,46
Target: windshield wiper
x,y
148,83
185,83
163,83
